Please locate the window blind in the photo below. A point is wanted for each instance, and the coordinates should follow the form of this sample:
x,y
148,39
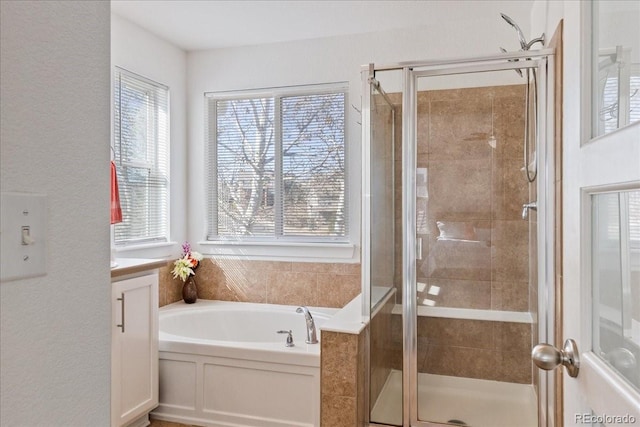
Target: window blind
x,y
277,166
609,112
313,165
141,144
614,204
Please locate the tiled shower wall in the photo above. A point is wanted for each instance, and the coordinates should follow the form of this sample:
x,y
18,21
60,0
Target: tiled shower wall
x,y
469,212
272,282
475,243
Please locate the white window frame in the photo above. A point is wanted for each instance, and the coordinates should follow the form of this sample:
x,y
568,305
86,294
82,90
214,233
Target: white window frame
x,y
339,249
145,244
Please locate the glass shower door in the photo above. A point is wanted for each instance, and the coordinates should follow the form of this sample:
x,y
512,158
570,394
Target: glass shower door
x,y
474,275
385,362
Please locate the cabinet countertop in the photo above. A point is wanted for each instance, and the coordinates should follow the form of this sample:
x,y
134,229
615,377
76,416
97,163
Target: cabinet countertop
x,y
128,266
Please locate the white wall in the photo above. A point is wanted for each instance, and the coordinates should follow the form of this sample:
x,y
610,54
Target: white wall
x,y
141,52
55,339
336,59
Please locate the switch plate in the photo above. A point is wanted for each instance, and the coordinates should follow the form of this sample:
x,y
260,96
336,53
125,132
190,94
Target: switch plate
x,y
23,233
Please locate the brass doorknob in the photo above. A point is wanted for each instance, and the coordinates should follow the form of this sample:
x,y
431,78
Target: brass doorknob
x,y
548,357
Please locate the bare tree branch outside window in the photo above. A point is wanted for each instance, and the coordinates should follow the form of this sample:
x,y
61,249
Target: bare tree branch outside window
x,y
311,185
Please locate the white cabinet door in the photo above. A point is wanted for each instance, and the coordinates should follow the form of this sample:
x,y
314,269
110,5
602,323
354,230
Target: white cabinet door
x,y
134,348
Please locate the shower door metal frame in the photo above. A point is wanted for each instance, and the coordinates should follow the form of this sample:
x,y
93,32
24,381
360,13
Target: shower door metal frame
x,y
545,246
542,60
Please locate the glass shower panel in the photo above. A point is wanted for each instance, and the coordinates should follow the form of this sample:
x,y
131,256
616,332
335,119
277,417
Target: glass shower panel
x,y
474,327
386,325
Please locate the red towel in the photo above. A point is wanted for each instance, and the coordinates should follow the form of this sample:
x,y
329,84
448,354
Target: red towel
x,y
116,210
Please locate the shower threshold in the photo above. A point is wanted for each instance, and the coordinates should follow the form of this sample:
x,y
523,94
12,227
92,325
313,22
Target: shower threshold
x,y
460,401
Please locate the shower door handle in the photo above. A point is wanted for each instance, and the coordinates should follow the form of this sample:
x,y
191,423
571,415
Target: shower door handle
x,y
419,248
548,357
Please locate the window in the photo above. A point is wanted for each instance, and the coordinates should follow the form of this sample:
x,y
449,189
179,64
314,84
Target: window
x,y
141,144
618,109
277,165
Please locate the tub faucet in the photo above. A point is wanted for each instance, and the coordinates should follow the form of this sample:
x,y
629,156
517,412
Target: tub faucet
x,y
311,326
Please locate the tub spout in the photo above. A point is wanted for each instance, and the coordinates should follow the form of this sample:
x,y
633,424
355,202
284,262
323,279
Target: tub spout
x,y
311,326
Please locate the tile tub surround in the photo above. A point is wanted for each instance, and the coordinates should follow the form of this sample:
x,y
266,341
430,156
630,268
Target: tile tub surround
x,y
270,282
342,378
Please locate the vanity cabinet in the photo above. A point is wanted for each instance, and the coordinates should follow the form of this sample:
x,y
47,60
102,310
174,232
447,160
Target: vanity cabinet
x,y
134,349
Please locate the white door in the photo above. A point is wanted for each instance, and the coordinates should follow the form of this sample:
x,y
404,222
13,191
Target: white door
x,y
601,302
601,298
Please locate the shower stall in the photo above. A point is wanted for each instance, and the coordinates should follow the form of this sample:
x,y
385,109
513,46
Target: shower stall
x,y
457,246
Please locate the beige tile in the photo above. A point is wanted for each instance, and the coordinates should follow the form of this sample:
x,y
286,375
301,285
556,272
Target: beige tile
x,y
510,296
362,393
421,354
512,336
162,286
510,189
338,411
456,332
533,298
230,280
457,260
459,293
326,267
313,267
460,189
292,288
337,290
459,128
170,289
514,366
339,351
461,362
422,125
509,124
510,251
339,383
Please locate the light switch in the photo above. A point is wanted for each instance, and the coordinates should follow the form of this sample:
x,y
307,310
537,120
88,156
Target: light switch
x,y
22,235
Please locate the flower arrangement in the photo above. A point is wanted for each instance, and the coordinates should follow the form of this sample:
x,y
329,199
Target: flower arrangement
x,y
186,265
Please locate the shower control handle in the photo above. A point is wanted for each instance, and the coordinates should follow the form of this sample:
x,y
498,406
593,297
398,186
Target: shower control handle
x,y
289,338
526,207
548,357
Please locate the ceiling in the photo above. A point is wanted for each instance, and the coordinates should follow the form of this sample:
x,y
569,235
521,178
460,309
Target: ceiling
x,y
196,25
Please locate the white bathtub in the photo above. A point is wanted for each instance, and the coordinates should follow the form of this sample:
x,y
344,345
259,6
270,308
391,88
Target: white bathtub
x,y
223,364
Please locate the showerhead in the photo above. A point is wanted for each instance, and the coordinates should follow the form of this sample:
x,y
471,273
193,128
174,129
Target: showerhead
x,y
523,41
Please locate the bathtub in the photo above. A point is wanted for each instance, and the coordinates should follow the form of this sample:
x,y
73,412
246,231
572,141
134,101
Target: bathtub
x,y
223,364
